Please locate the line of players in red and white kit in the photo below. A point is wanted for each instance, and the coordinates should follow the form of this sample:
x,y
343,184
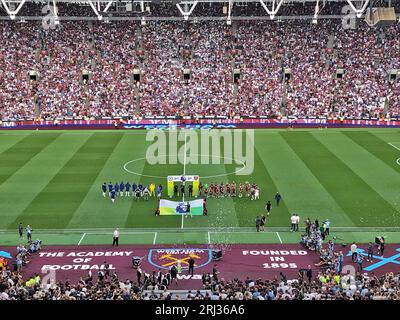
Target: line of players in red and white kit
x,y
215,190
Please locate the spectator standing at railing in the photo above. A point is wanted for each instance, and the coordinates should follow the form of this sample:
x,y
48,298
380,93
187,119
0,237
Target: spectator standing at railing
x,y
21,231
353,249
297,223
293,221
370,251
359,262
28,233
308,226
328,225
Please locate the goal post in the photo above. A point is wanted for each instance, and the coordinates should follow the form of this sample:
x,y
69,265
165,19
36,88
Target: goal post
x,y
194,180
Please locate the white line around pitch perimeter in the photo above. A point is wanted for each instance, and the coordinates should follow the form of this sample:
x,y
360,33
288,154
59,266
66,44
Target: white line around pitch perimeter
x,y
83,236
280,240
155,237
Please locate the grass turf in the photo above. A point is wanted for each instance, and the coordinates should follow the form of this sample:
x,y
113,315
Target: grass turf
x,y
52,180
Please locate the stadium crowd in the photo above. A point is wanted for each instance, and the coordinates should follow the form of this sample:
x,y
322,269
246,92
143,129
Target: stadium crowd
x,y
261,50
326,280
327,285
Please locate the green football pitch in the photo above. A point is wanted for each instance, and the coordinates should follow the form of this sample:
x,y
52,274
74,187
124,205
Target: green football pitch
x,y
52,181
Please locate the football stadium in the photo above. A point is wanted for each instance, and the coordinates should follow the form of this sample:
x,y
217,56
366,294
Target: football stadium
x,y
200,150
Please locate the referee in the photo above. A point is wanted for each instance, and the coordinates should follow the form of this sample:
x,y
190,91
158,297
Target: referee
x,y
115,237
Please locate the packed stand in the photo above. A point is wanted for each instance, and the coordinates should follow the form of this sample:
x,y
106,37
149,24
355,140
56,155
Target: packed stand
x,y
211,50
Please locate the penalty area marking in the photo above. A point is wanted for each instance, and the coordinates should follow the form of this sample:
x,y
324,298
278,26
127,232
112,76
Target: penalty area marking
x,y
398,159
83,236
204,177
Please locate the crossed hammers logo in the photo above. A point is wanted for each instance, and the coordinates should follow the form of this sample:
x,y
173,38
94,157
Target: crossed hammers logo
x,y
176,260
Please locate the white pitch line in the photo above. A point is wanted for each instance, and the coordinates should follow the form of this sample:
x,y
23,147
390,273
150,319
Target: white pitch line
x,y
394,146
280,240
397,160
83,236
155,237
212,230
184,173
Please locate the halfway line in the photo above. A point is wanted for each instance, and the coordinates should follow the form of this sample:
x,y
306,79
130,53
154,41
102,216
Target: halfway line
x,y
184,173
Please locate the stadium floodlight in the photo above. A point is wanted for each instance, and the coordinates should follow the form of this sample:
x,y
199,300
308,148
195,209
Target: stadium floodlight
x,y
276,4
230,5
108,5
358,12
315,21
188,8
99,16
12,14
55,13
316,10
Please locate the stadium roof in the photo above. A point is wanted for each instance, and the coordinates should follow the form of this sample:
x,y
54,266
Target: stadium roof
x,y
111,9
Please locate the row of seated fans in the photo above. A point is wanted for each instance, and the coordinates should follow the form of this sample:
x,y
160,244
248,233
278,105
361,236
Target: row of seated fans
x,y
259,49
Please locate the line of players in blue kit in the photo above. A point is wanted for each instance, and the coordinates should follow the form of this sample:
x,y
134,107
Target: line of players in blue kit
x,y
124,189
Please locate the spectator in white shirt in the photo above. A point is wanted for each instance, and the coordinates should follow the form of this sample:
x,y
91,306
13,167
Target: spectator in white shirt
x,y
115,237
353,249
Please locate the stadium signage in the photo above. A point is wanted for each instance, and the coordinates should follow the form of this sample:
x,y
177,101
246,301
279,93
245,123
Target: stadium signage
x,y
277,258
206,123
380,260
275,252
175,127
166,258
80,260
87,254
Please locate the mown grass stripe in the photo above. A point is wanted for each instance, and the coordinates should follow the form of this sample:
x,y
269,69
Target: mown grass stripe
x,y
301,190
6,142
376,173
94,205
268,188
361,203
26,183
57,202
376,146
222,211
21,152
141,213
